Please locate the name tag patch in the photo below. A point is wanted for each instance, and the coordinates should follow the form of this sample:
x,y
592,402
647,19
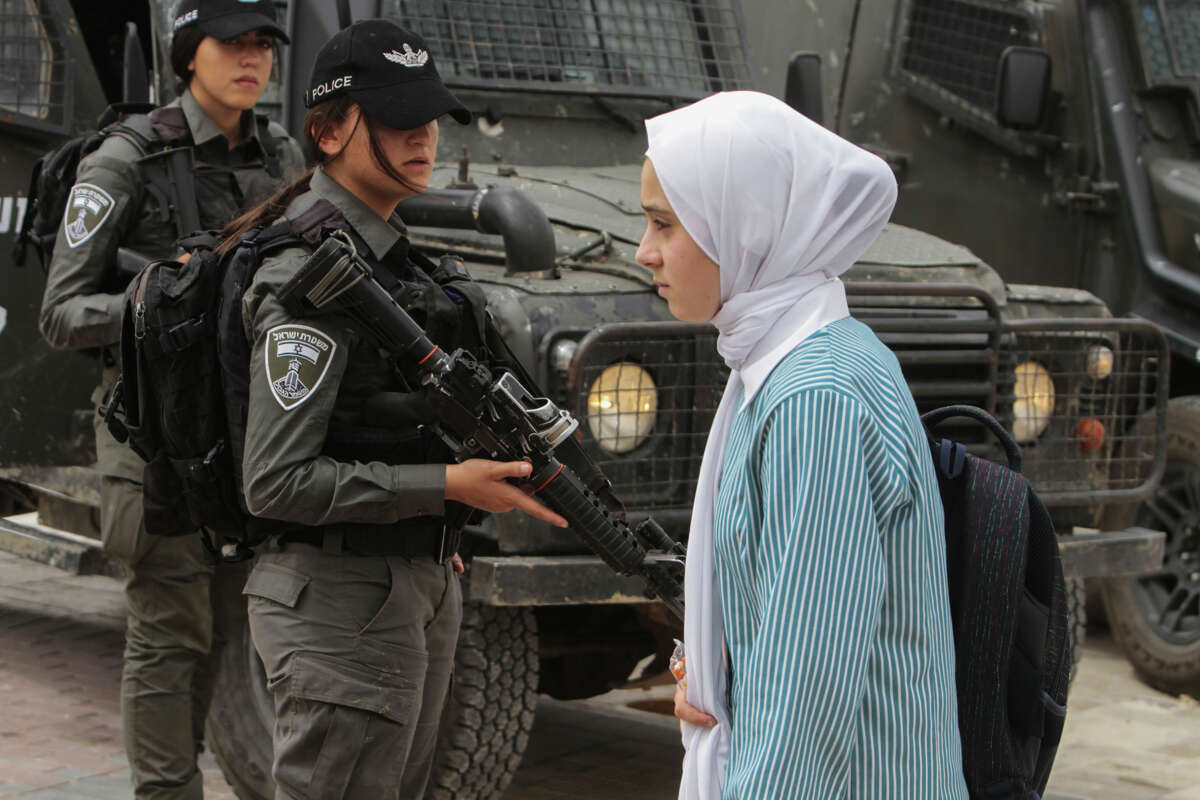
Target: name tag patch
x,y
87,209
297,358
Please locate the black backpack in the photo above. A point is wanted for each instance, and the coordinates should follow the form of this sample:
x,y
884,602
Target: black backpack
x,y
150,129
1009,609
184,388
53,175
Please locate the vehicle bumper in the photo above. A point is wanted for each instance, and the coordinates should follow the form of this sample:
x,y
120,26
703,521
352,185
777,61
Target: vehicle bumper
x,y
586,580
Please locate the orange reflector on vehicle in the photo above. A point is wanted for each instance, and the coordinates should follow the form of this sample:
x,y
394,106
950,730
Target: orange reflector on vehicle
x,y
1091,434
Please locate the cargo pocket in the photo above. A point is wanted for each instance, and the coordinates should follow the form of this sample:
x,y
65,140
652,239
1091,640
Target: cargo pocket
x,y
277,583
346,727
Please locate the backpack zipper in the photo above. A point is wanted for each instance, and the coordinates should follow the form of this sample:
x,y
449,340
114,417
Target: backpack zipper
x,y
139,306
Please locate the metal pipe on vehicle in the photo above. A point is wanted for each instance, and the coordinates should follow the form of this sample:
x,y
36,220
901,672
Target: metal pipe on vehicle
x,y
1116,108
528,235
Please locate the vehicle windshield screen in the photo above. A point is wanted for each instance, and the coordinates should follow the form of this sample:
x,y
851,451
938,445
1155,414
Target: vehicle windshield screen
x,y
1169,32
677,48
27,60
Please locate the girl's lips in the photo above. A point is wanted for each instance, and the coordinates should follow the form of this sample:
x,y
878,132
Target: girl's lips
x,y
247,81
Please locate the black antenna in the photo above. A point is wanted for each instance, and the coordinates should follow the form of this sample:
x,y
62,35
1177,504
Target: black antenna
x,y
344,18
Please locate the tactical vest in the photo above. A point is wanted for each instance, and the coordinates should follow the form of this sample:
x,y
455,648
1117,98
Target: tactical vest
x,y
375,386
169,128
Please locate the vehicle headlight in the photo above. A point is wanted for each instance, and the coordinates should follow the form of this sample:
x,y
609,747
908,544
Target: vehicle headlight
x,y
1033,401
1099,362
622,407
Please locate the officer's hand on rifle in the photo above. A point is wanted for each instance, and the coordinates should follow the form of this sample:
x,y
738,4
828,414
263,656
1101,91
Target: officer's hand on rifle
x,y
483,484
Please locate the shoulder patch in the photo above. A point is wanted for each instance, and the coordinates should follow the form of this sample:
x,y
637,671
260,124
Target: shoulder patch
x,y
87,209
297,358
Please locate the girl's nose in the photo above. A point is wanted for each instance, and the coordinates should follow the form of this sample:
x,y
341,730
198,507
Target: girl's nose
x,y
647,256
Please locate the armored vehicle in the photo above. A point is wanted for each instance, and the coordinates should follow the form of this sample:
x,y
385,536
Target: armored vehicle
x,y
1058,139
559,89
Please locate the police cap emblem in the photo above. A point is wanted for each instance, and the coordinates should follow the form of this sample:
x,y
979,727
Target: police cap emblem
x,y
297,358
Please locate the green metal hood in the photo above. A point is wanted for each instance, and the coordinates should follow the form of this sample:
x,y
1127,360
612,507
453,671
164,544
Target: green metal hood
x,y
584,203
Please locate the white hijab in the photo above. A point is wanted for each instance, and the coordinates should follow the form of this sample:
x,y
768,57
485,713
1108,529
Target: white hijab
x,y
784,206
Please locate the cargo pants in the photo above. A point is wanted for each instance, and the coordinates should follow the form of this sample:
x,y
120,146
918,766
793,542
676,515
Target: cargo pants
x,y
359,653
173,595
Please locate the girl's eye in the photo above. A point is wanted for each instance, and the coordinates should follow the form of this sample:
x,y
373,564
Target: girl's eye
x,y
661,224
266,44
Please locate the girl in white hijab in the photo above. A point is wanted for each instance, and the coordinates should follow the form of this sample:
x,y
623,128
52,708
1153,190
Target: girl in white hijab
x,y
819,650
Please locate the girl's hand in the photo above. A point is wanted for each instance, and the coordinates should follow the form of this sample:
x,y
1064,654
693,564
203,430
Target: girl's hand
x,y
457,562
482,484
688,712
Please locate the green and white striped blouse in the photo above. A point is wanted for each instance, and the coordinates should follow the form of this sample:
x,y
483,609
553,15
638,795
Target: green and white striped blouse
x,y
831,561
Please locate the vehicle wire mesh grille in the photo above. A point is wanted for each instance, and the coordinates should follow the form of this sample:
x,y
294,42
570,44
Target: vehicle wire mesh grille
x,y
1077,427
946,339
33,67
658,473
962,353
1169,34
957,46
684,48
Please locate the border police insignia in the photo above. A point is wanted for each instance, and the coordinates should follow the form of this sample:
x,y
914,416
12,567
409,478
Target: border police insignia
x,y
408,58
87,209
297,358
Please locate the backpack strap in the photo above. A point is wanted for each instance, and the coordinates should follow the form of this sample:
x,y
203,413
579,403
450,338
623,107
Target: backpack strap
x,y
170,126
23,238
931,419
149,131
276,236
311,225
270,146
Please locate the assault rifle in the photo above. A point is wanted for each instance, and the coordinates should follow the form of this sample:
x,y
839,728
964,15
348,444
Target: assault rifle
x,y
486,414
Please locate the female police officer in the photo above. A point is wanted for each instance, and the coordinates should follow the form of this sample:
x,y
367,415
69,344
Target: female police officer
x,y
355,609
222,52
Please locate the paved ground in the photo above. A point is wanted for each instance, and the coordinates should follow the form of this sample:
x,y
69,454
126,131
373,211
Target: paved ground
x,y
60,650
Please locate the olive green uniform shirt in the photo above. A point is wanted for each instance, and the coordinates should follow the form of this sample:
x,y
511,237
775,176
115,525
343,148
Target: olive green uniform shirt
x,y
306,372
78,308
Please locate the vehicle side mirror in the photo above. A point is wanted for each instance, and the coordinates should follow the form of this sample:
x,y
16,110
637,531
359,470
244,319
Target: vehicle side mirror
x,y
1023,88
135,79
803,89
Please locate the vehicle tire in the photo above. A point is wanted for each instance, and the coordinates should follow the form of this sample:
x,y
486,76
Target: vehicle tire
x,y
1077,620
487,721
241,717
485,727
1155,619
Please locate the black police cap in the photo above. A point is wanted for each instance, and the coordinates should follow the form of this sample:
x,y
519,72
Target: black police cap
x,y
388,71
225,19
